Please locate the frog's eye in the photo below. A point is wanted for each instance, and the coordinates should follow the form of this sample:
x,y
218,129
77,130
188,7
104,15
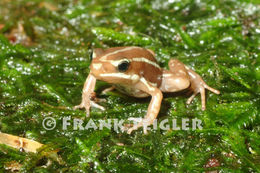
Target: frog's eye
x,y
91,55
123,65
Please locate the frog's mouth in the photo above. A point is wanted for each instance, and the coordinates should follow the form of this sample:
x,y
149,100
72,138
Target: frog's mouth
x,y
119,77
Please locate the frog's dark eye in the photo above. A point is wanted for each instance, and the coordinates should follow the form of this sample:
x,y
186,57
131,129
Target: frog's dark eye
x,y
91,55
123,66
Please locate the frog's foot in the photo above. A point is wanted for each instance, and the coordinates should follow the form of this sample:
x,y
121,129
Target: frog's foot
x,y
95,105
141,123
199,86
94,98
87,107
83,105
89,101
135,127
127,126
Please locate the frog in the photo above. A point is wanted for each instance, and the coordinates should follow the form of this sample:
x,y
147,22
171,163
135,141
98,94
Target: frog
x,y
134,71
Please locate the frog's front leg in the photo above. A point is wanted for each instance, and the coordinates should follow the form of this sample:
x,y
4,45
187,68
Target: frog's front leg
x,y
181,77
87,95
154,106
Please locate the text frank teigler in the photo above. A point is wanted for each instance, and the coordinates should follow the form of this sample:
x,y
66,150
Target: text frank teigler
x,y
49,123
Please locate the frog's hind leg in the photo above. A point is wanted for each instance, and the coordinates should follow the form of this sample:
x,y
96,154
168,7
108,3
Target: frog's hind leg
x,y
175,79
178,76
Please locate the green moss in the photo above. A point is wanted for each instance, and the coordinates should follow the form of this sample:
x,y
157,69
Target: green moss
x,y
218,39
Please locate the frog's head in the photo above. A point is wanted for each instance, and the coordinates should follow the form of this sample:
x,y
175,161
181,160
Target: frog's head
x,y
113,66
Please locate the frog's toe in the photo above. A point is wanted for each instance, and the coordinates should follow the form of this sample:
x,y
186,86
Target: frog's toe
x,y
129,131
203,95
143,123
83,105
95,105
131,127
201,90
126,127
191,98
203,98
78,106
87,113
211,89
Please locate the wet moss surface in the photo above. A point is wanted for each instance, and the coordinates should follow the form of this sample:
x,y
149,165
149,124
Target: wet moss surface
x,y
44,60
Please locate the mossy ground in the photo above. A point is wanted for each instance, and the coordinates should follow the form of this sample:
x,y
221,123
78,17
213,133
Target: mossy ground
x,y
43,77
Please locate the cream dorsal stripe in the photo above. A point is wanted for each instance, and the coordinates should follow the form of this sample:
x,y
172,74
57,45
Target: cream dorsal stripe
x,y
121,75
137,59
117,51
143,59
